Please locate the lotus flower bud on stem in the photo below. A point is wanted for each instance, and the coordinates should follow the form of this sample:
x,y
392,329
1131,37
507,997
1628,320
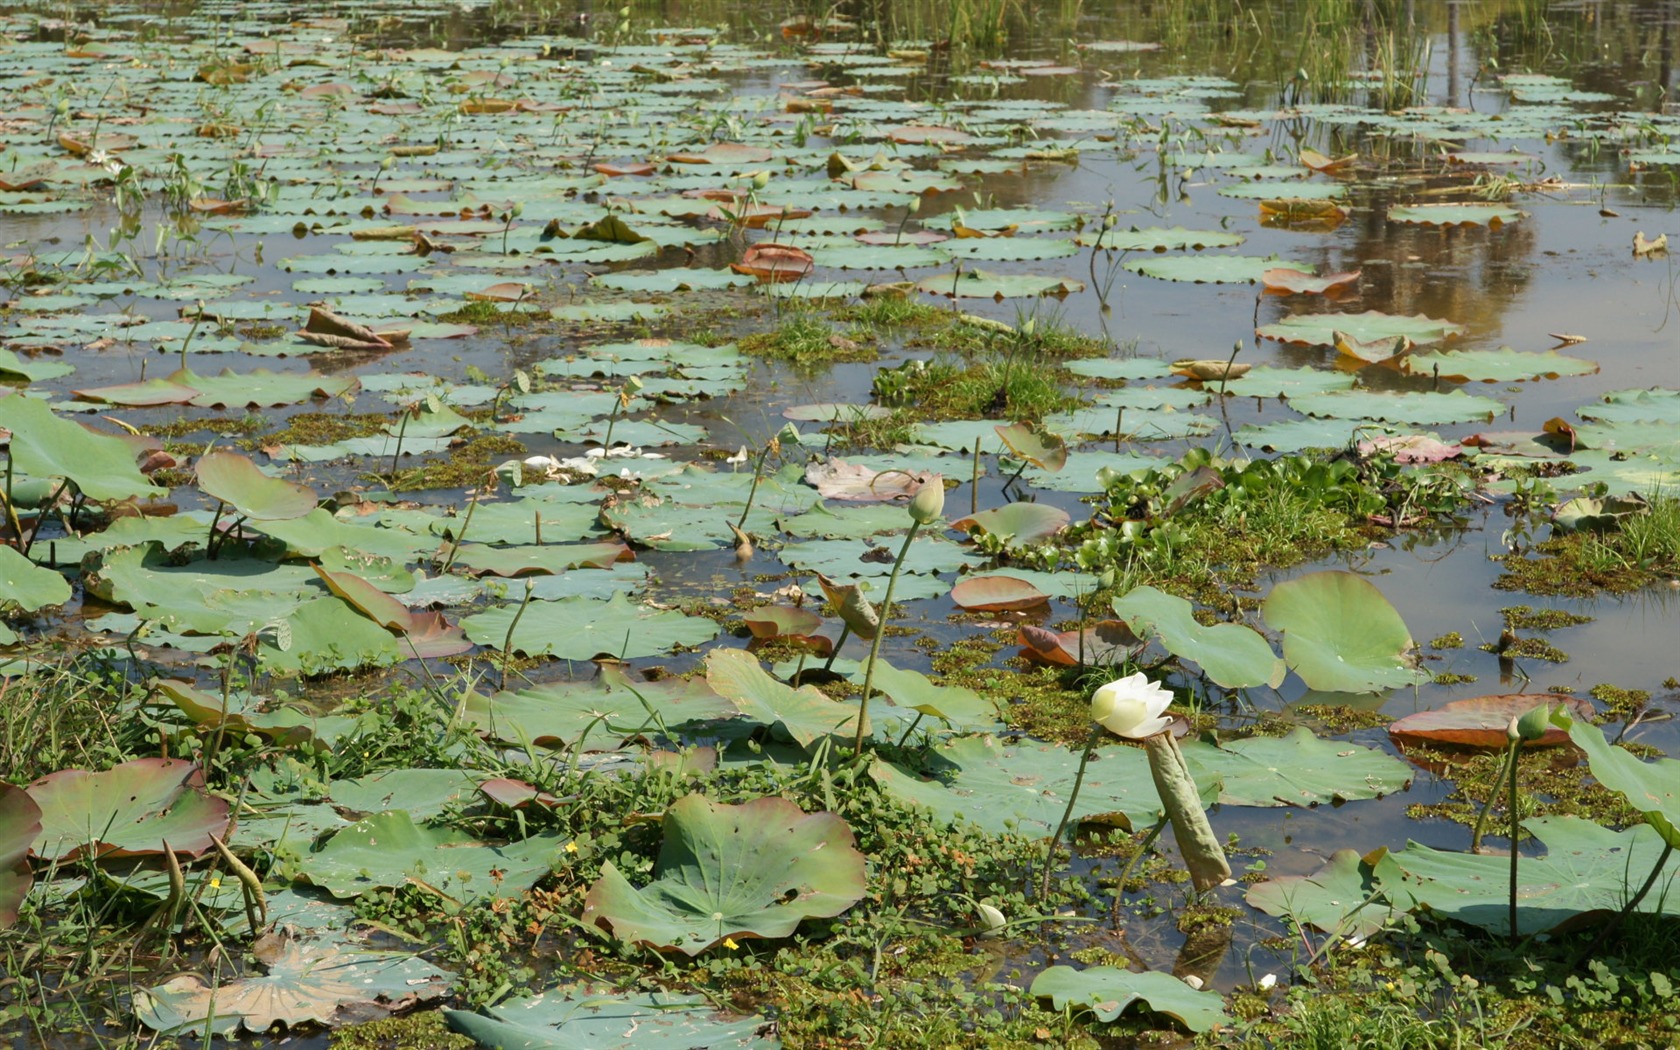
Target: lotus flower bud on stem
x,y
929,502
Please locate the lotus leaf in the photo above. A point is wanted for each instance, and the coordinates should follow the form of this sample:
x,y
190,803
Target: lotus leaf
x,y
1417,407
566,1018
1016,523
955,705
549,559
583,628
1493,216
1036,445
1022,788
239,713
854,522
1320,329
982,284
237,481
1504,365
138,807
1343,897
20,825
753,870
1108,990
1293,435
806,714
1588,873
14,367
1340,633
389,849
598,714
1480,722
1287,382
25,586
1232,655
1105,643
997,593
1159,239
45,446
1212,269
1295,770
305,984
421,793
1630,406
1652,788
1122,368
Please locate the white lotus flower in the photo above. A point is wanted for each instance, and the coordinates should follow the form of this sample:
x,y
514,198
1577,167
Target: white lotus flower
x,y
1131,707
1267,983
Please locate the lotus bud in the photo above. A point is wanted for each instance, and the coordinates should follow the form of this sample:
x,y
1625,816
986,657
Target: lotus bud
x,y
760,180
1532,726
915,205
929,502
1513,732
518,209
1109,221
388,163
992,919
788,435
1131,707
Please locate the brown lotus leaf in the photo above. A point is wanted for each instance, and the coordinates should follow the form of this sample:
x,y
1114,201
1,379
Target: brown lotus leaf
x,y
1285,281
772,262
1480,722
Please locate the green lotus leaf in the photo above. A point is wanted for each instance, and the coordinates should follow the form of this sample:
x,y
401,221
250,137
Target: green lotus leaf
x,y
548,559
305,984
567,1018
854,558
389,849
752,870
583,628
13,367
1137,424
1652,788
1122,368
1343,897
1504,365
236,481
1421,407
327,634
1211,268
44,445
806,714
1022,788
1635,406
1008,249
996,219
421,793
1492,216
1016,523
854,521
955,705
598,714
237,712
1294,435
1159,239
1320,329
1340,633
25,586
1287,382
1299,769
1298,191
20,825
982,284
128,810
1108,990
1588,874
1232,655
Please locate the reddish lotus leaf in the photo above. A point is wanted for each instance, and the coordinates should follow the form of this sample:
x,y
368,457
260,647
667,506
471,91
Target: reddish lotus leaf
x,y
31,178
505,292
684,763
516,794
838,479
430,635
997,594
1563,430
774,262
724,153
1285,281
615,170
1412,448
781,621
333,90
126,811
1104,642
20,823
1480,721
1038,446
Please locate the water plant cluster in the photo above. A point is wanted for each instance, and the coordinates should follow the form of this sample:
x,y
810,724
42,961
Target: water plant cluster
x,y
606,532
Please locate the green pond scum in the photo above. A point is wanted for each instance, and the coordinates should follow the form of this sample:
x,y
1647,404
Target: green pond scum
x,y
532,524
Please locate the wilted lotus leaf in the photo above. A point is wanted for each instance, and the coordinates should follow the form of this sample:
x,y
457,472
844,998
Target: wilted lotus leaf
x,y
582,1017
1412,448
1319,162
1108,990
996,594
1284,280
325,328
1340,634
1293,213
1213,269
305,984
1480,721
838,479
609,229
1321,329
128,810
236,481
425,634
774,262
44,445
1597,515
806,713
516,794
1104,642
1493,216
854,610
1372,351
753,870
20,825
1649,249
1232,655
1036,445
1016,523
1211,369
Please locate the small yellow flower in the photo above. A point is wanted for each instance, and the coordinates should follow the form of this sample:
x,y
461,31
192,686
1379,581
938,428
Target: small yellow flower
x,y
729,942
571,847
216,882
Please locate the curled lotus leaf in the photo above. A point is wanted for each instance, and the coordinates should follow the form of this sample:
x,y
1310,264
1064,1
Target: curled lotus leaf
x,y
752,870
139,807
238,482
20,824
1038,446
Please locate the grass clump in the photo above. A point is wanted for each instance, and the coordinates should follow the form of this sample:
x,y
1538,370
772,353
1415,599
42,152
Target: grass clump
x,y
809,342
1640,550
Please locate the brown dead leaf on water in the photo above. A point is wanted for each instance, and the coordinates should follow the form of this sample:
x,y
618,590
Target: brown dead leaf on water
x,y
1649,249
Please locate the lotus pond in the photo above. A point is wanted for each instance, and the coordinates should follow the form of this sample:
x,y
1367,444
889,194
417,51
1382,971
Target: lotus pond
x,y
972,523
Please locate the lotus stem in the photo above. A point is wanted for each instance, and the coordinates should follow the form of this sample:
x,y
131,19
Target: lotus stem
x,y
880,633
845,632
974,485
1516,829
402,428
1137,858
1236,348
913,724
256,904
460,534
758,474
507,640
1493,796
1067,814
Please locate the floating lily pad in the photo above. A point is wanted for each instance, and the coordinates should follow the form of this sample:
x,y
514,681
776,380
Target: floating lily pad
x,y
583,628
1299,769
598,714
1343,897
1320,329
128,810
1108,990
1480,722
1504,365
1213,269
1493,216
1424,408
389,849
752,870
981,284
1340,634
1232,655
1016,523
565,1018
